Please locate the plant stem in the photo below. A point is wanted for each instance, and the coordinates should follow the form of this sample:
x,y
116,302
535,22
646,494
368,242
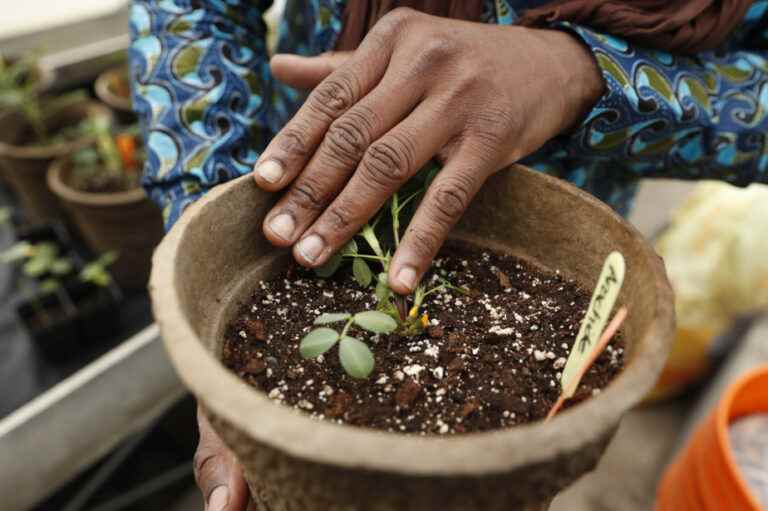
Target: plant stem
x,y
34,116
370,236
395,219
346,327
409,199
366,256
108,149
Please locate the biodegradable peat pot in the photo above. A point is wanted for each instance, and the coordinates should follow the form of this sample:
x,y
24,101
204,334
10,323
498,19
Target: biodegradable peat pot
x,y
24,166
127,222
215,255
105,91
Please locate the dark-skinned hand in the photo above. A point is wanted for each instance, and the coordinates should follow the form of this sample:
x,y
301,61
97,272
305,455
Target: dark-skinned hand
x,y
477,96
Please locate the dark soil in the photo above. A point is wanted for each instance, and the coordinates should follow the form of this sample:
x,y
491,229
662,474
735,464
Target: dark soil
x,y
489,360
104,183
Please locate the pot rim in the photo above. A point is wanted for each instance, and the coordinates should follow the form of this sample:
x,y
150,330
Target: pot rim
x,y
294,433
40,152
105,94
60,188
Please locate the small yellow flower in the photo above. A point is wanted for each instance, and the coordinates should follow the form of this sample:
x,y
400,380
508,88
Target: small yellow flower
x,y
424,320
413,312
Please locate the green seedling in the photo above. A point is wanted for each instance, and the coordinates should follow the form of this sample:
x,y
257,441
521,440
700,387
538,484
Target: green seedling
x,y
355,356
38,259
382,237
96,272
114,158
19,91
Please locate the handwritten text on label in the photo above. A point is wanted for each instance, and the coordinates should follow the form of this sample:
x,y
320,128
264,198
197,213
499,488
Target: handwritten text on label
x,y
604,297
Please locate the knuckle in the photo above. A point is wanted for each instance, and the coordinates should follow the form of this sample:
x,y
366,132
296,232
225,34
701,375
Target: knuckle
x,y
388,161
438,46
204,465
489,130
347,138
424,242
307,194
390,25
398,16
451,198
335,95
431,52
340,217
293,142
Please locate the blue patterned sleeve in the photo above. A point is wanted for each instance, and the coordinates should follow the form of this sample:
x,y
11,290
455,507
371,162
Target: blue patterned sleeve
x,y
202,90
662,115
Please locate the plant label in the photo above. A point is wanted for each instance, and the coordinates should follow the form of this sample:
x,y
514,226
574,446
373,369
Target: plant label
x,y
599,311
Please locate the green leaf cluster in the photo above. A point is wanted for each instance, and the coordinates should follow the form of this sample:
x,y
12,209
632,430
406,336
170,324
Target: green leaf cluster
x,y
96,272
375,243
355,356
38,259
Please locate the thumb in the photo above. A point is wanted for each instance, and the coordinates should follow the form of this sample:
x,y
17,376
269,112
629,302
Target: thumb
x,y
306,72
218,474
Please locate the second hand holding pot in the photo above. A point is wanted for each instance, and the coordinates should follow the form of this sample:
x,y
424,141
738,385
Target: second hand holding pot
x,y
418,86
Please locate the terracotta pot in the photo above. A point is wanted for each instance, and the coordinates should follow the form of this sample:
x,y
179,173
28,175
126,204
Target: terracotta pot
x,y
127,222
121,105
215,255
24,167
705,476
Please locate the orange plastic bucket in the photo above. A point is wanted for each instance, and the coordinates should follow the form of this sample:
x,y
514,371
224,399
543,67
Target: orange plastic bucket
x,y
705,477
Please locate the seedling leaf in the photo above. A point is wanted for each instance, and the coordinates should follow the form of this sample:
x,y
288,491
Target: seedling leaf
x,y
317,342
362,272
43,257
48,286
330,267
17,252
61,266
332,317
356,357
382,288
376,322
349,248
107,258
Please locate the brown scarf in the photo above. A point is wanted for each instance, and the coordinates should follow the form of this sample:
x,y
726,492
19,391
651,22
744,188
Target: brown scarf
x,y
679,26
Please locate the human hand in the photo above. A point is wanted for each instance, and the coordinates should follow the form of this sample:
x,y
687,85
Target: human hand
x,y
217,472
478,96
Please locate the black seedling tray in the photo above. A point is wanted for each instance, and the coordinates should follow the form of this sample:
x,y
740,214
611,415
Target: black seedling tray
x,y
98,310
51,321
76,315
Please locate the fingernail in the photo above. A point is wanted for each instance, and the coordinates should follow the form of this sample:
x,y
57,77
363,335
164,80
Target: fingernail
x,y
407,277
219,499
311,247
270,171
283,226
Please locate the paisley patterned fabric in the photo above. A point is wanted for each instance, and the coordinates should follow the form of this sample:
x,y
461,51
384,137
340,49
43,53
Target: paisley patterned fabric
x,y
209,105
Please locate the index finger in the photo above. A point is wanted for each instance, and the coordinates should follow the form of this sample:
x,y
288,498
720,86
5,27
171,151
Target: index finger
x,y
290,150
